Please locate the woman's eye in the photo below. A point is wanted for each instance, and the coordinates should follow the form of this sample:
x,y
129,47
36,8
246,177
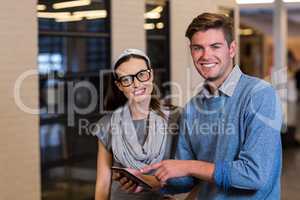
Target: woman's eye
x,y
142,74
126,80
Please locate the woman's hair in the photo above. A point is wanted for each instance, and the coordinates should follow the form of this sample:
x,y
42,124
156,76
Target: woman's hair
x,y
115,98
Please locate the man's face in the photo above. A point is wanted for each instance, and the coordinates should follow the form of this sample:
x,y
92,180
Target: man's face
x,y
212,55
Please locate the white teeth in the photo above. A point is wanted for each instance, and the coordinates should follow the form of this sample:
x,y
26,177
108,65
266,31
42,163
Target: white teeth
x,y
210,65
139,92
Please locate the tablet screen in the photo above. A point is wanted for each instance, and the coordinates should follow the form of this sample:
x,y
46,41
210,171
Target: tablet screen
x,y
137,180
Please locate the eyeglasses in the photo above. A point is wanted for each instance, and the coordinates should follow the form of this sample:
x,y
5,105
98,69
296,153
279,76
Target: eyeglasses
x,y
142,76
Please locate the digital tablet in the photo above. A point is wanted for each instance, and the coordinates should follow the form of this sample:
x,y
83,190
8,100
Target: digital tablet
x,y
137,180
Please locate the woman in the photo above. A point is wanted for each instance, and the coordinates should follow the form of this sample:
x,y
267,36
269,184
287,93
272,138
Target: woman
x,y
136,134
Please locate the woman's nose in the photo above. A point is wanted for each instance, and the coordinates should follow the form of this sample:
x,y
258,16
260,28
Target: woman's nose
x,y
136,82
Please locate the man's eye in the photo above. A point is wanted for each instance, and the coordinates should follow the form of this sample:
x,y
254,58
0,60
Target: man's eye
x,y
196,48
215,46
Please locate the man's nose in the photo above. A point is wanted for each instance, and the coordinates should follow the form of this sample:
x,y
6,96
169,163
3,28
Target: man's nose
x,y
206,54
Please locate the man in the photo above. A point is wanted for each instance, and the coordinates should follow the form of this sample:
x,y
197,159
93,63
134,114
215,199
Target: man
x,y
230,132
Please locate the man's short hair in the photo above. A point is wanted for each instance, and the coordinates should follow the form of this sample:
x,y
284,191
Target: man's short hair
x,y
207,21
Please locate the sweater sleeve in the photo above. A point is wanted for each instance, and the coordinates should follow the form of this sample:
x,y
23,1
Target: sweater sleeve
x,y
183,152
259,159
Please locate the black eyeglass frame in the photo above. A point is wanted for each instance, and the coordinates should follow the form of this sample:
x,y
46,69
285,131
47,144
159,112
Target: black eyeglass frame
x,y
132,76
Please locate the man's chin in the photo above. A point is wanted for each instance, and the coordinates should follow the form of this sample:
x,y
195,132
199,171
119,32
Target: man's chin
x,y
212,79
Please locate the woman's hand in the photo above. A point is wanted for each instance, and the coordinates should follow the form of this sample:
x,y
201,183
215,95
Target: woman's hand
x,y
126,184
129,186
153,181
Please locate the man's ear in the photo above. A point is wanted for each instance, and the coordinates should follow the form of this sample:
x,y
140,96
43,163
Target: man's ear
x,y
232,48
119,86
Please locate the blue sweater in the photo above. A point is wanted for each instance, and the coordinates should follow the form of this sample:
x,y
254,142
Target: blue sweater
x,y
240,133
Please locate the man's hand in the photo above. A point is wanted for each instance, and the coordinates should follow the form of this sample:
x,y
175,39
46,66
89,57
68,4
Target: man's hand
x,y
167,169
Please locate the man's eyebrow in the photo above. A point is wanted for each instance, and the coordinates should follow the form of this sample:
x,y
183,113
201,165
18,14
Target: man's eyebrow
x,y
217,43
196,45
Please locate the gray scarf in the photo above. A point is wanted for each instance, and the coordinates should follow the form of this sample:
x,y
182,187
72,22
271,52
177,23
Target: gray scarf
x,y
125,146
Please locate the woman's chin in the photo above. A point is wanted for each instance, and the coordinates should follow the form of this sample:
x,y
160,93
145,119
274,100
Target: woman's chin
x,y
140,98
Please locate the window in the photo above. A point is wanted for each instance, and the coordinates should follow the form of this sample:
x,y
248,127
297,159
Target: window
x,y
74,45
158,36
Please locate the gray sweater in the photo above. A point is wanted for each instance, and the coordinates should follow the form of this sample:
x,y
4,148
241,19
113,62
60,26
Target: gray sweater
x,y
104,136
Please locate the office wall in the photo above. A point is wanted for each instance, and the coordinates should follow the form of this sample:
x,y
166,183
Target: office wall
x,y
294,45
127,31
185,78
19,147
127,25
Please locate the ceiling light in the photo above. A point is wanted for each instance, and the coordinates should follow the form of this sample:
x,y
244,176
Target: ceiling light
x,y
149,26
253,1
246,31
94,17
91,14
152,15
53,14
41,7
70,4
160,25
291,1
69,19
157,9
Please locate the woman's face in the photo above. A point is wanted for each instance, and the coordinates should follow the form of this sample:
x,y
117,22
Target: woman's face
x,y
139,90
